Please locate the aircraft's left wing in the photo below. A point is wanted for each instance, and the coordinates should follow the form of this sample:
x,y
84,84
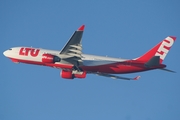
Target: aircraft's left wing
x,y
74,41
73,49
116,77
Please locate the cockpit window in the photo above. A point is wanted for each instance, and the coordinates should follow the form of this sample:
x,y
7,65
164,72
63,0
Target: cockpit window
x,y
10,49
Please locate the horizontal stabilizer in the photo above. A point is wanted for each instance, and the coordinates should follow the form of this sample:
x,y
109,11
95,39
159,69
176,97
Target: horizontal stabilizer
x,y
167,70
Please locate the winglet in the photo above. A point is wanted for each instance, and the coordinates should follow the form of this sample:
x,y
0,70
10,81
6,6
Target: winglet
x,y
136,78
81,28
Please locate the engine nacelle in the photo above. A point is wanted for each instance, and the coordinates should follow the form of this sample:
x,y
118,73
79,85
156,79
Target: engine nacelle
x,y
48,58
83,75
67,74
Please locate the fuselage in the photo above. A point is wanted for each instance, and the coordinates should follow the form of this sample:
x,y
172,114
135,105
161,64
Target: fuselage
x,y
90,63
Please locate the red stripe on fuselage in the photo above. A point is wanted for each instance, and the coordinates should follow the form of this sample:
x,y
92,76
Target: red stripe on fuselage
x,y
62,66
130,66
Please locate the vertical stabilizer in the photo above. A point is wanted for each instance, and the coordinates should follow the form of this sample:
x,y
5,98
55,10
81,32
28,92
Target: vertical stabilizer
x,y
160,50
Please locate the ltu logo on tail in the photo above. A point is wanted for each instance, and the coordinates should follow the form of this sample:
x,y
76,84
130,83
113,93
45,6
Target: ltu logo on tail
x,y
164,47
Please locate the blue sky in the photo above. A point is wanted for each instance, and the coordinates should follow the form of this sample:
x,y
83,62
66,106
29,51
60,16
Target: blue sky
x,y
118,28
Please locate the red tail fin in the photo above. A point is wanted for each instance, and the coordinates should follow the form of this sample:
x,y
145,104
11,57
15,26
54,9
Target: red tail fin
x,y
160,49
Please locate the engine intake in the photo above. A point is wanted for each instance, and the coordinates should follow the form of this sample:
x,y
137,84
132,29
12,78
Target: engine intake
x,y
48,58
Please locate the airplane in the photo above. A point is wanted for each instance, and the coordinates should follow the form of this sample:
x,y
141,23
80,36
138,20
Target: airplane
x,y
74,64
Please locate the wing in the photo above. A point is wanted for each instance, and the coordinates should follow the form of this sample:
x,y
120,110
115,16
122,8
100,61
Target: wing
x,y
116,77
73,49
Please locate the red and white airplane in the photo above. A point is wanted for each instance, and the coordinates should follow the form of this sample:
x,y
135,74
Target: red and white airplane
x,y
74,64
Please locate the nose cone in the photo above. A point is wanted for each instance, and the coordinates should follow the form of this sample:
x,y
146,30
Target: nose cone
x,y
5,53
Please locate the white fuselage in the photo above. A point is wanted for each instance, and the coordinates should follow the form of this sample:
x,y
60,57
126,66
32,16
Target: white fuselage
x,y
88,60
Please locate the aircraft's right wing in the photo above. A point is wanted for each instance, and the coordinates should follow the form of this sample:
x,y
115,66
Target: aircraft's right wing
x,y
116,77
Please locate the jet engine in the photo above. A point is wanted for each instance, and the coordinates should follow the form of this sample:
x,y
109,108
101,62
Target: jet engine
x,y
69,75
48,58
83,75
